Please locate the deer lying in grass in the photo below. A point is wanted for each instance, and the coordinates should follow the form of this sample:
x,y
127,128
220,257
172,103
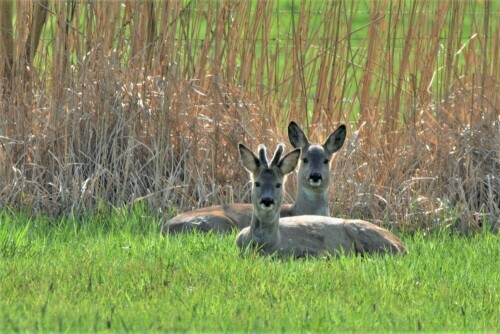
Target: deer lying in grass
x,y
313,183
301,235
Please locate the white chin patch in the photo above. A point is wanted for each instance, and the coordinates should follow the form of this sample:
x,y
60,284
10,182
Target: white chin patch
x,y
266,208
313,183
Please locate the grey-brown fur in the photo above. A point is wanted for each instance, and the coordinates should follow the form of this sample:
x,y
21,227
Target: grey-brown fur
x,y
303,235
313,177
312,199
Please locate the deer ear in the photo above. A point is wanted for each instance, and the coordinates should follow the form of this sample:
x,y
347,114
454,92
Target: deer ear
x,y
289,161
336,140
296,136
249,160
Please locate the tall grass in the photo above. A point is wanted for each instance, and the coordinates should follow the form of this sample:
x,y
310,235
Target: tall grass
x,y
119,103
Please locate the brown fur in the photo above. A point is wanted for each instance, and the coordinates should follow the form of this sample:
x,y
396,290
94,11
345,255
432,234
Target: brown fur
x,y
325,236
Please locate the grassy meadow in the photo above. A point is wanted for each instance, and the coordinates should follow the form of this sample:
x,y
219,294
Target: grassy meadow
x,y
117,274
114,116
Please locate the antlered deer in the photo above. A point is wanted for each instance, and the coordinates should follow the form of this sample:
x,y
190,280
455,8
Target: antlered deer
x,y
301,235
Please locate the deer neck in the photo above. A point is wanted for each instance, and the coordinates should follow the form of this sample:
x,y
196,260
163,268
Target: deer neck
x,y
311,203
264,228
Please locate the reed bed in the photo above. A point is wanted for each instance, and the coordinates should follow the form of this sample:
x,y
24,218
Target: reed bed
x,y
119,103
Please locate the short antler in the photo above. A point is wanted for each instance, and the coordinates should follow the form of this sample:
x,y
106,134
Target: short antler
x,y
263,155
277,155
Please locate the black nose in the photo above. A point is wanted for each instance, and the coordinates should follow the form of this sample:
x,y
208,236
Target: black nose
x,y
267,201
315,177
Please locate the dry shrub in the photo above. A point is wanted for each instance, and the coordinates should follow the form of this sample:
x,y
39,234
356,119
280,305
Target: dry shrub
x,y
144,102
121,142
428,173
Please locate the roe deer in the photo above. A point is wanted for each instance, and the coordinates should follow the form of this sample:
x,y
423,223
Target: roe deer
x,y
301,235
313,183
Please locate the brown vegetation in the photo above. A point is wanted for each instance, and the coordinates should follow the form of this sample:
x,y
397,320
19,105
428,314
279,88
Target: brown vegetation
x,y
119,103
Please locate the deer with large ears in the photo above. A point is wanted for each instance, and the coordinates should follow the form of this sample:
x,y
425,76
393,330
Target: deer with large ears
x,y
313,183
301,236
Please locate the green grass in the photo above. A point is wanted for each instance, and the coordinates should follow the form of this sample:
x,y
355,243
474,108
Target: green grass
x,y
114,272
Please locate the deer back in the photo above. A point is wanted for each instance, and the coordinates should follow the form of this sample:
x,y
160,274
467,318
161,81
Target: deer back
x,y
324,236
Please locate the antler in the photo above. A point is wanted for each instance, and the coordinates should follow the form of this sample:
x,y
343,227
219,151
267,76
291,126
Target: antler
x,y
277,154
263,155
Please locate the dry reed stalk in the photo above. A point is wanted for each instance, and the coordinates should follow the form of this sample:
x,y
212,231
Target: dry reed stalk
x,y
6,42
39,16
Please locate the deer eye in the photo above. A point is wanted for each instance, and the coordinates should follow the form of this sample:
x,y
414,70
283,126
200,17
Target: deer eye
x,y
305,160
257,184
278,185
326,161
